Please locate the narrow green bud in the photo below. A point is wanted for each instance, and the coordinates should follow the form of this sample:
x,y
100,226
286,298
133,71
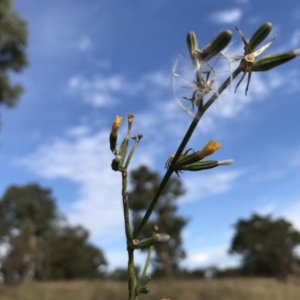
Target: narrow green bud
x,y
114,133
123,148
187,159
271,61
113,142
201,165
147,242
259,35
216,45
144,280
143,290
163,238
191,41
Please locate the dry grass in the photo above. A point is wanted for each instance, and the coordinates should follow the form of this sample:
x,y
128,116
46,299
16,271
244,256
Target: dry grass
x,y
224,289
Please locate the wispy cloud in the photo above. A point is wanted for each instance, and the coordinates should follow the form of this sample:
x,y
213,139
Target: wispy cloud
x,y
217,255
226,16
84,161
103,90
85,44
100,91
266,209
209,184
293,213
295,40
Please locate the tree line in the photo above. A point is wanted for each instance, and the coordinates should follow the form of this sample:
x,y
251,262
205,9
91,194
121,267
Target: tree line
x,y
38,243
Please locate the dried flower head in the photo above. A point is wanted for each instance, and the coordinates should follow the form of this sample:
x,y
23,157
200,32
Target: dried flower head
x,y
248,59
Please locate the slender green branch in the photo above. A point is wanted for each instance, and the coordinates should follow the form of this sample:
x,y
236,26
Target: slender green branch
x,y
132,276
131,270
147,261
130,154
126,208
222,87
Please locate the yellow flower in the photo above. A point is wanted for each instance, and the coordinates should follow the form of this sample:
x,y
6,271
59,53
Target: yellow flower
x,y
209,149
116,125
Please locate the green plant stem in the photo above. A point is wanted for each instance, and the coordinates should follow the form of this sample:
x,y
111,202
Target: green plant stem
x,y
147,261
126,209
130,249
222,87
180,150
130,155
132,277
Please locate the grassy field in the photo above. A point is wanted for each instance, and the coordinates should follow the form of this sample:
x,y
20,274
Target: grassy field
x,y
223,289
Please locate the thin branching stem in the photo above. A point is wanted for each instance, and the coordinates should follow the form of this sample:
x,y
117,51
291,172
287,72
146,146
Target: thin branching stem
x,y
168,173
222,87
130,155
147,261
130,249
180,150
126,208
132,276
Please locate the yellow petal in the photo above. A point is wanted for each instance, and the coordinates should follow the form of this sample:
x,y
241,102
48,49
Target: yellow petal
x,y
116,125
209,149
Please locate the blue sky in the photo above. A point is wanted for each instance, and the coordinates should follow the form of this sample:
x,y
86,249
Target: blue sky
x,y
92,60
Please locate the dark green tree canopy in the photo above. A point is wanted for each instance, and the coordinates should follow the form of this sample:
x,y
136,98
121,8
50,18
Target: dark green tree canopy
x,y
28,208
13,40
266,246
42,245
69,255
144,184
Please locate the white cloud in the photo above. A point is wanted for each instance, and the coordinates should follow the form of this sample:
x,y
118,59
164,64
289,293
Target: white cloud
x,y
85,161
227,16
295,40
118,259
217,255
271,175
78,131
294,157
85,44
100,91
105,90
293,213
209,184
266,209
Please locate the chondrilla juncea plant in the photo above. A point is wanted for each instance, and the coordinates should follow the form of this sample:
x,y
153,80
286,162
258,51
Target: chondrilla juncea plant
x,y
182,160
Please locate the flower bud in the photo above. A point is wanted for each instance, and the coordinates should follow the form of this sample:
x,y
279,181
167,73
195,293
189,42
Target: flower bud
x,y
216,45
146,243
207,150
115,164
191,41
144,280
201,165
259,35
143,289
163,238
114,133
207,164
271,61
